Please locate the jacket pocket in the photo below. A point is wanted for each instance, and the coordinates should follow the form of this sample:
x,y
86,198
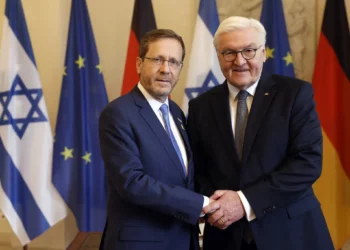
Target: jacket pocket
x,y
140,234
301,206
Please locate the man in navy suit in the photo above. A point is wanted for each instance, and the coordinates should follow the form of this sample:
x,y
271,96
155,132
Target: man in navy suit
x,y
257,146
148,161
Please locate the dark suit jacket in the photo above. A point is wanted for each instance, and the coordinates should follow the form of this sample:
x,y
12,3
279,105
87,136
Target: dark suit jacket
x,y
150,202
282,158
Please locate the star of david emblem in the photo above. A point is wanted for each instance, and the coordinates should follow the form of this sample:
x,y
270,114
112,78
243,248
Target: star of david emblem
x,y
20,107
209,82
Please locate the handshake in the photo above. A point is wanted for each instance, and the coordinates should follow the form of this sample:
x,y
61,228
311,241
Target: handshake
x,y
225,207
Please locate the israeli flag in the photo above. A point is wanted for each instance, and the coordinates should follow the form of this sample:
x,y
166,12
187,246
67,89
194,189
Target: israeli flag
x,y
204,69
27,197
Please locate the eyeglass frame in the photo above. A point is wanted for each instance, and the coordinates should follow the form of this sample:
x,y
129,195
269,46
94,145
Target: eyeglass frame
x,y
159,61
240,51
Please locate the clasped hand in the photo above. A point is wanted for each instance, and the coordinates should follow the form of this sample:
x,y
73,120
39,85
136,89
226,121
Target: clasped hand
x,y
225,208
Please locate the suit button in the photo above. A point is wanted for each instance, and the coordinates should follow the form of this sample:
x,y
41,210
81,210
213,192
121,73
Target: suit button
x,y
269,209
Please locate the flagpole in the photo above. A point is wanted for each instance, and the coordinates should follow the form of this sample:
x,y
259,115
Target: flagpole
x,y
25,247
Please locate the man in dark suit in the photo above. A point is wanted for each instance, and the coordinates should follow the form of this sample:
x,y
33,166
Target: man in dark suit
x,y
148,161
257,146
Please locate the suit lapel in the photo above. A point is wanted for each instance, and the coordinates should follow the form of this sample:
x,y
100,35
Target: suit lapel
x,y
148,115
261,101
181,126
221,112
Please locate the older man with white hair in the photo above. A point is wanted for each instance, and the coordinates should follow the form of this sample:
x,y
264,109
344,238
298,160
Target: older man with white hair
x,y
257,146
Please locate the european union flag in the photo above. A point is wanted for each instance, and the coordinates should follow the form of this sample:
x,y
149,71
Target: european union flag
x,y
78,171
278,55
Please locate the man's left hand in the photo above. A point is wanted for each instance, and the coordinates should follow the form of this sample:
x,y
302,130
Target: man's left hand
x,y
230,209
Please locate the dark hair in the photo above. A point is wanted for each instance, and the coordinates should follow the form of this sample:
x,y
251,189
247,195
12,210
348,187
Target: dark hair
x,y
155,35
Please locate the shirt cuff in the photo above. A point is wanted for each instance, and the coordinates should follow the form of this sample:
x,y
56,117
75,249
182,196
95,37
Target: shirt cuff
x,y
249,213
205,203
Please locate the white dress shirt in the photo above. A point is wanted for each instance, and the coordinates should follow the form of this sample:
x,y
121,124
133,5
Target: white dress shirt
x,y
155,105
233,91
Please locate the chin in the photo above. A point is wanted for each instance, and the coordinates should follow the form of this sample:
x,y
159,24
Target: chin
x,y
163,92
165,89
240,83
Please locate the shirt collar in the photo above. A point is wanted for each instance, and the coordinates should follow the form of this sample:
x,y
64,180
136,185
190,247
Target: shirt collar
x,y
155,104
234,91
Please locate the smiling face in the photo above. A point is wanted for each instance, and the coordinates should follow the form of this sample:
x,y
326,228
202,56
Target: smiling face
x,y
241,73
159,80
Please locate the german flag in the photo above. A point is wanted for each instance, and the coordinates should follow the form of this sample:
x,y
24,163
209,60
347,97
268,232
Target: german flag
x,y
331,82
142,21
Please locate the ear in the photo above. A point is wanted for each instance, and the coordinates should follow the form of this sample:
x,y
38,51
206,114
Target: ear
x,y
181,66
139,64
264,53
218,54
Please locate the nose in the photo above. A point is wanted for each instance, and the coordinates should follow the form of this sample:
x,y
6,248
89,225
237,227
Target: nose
x,y
239,60
164,68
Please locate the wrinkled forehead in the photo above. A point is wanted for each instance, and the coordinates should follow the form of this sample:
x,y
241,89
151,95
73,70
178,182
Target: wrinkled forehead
x,y
240,39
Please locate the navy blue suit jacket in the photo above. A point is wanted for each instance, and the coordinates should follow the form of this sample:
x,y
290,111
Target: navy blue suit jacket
x,y
151,203
282,158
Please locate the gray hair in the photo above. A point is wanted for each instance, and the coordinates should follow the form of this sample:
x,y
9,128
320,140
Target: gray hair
x,y
239,23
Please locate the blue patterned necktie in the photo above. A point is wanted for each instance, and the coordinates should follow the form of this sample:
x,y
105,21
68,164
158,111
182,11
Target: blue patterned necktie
x,y
241,121
165,112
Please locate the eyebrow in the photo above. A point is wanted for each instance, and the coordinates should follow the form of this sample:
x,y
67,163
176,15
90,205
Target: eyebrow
x,y
170,58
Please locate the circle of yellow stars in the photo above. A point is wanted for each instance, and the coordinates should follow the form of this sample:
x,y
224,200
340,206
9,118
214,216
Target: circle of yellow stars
x,y
269,54
68,153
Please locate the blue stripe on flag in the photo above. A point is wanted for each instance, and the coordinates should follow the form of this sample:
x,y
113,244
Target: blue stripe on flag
x,y
21,198
15,16
209,14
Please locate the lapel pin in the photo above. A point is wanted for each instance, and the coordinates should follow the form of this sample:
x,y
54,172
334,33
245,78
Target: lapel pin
x,y
266,93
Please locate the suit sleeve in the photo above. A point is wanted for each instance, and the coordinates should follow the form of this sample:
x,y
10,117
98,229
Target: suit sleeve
x,y
125,171
202,178
302,165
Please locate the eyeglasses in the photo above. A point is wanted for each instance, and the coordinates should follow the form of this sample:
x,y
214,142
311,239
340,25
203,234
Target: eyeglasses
x,y
159,61
231,55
